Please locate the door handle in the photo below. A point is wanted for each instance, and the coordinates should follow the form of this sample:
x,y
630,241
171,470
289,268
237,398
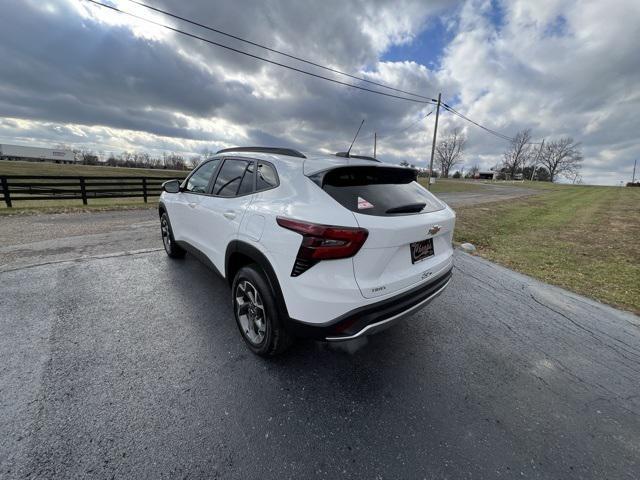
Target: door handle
x,y
192,205
229,214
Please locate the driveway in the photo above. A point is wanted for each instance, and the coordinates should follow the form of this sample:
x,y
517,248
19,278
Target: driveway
x,y
486,193
127,364
37,239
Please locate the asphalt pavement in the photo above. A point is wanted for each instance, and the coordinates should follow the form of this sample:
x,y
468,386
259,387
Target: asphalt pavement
x,y
36,239
118,362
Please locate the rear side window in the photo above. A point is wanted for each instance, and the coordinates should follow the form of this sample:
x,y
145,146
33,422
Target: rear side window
x,y
230,177
267,177
246,184
380,191
199,181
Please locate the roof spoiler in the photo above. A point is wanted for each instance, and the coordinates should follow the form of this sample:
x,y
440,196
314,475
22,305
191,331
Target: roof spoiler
x,y
361,157
272,150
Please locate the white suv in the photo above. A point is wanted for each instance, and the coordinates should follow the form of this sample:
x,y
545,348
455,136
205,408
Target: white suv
x,y
327,247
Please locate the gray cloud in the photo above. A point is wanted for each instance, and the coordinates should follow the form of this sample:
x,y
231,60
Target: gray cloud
x,y
86,80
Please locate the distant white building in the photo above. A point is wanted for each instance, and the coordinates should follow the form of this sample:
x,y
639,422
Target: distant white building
x,y
35,154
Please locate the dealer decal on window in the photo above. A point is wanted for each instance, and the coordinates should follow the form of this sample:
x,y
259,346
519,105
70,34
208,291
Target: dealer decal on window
x,y
363,204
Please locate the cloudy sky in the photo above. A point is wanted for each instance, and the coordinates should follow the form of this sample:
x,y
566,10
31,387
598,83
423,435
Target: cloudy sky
x,y
77,74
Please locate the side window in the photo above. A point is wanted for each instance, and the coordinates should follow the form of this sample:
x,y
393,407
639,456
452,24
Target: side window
x,y
230,177
267,177
198,182
246,185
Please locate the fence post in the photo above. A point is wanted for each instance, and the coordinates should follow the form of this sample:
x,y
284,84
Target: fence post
x,y
5,190
144,188
83,190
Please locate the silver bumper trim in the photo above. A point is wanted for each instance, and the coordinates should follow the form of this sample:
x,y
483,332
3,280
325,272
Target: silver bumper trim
x,y
387,322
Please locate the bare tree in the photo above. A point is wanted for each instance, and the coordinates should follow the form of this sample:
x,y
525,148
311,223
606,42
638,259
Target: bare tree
x,y
561,157
86,157
473,171
207,153
449,151
518,153
193,161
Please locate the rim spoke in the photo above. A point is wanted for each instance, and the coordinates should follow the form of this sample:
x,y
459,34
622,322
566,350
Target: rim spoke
x,y
258,301
251,297
250,311
242,307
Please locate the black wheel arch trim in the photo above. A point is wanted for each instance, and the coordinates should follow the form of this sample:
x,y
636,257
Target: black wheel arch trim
x,y
162,207
248,250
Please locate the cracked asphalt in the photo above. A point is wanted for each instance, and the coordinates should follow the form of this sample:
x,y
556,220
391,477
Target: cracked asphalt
x,y
118,362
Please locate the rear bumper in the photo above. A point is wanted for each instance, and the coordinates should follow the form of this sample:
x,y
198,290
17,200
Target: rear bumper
x,y
374,317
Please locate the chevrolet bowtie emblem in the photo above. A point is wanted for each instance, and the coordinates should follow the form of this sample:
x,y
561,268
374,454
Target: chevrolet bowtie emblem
x,y
435,229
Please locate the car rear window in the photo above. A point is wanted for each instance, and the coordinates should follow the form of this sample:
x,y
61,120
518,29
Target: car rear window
x,y
380,191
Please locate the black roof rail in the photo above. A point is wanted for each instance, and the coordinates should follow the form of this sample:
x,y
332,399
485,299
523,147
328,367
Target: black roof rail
x,y
273,150
361,157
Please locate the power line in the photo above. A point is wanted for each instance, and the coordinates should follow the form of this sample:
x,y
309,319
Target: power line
x,y
392,132
396,132
279,52
493,132
257,57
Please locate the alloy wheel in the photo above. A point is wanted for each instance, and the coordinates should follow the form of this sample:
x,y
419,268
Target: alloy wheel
x,y
166,237
250,312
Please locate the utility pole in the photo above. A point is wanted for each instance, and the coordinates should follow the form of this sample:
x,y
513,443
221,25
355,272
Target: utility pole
x,y
375,141
535,164
633,180
433,145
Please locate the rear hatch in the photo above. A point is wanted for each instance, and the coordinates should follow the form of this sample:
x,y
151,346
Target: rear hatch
x,y
410,230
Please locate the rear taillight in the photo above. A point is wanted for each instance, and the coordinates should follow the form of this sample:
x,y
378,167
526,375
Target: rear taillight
x,y
323,242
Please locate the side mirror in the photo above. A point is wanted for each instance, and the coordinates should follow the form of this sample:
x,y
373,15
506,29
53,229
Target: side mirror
x,y
171,186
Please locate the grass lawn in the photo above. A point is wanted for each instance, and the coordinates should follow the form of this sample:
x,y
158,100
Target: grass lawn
x,y
585,239
60,206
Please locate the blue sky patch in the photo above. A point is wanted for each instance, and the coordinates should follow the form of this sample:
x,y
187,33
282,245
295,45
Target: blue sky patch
x,y
426,49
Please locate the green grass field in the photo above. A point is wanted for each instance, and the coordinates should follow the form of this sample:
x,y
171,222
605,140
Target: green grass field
x,y
583,238
45,168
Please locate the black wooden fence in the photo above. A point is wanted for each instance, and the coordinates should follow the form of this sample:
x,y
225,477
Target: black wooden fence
x,y
56,187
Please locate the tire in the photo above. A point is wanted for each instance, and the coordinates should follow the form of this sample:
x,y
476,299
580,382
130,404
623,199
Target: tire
x,y
256,314
170,245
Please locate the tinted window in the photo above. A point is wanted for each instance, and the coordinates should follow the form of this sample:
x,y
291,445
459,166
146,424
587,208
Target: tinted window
x,y
267,177
378,190
198,182
246,185
230,177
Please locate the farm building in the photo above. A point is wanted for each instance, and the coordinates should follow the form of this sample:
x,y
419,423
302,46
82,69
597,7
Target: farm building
x,y
487,175
36,154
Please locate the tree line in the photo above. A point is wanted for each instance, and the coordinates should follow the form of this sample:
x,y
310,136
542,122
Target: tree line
x,y
168,161
522,158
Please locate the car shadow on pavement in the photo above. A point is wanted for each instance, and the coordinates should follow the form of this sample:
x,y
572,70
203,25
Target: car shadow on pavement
x,y
209,309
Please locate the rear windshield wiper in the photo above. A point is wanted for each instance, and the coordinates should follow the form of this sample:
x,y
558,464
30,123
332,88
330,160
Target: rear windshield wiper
x,y
410,208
